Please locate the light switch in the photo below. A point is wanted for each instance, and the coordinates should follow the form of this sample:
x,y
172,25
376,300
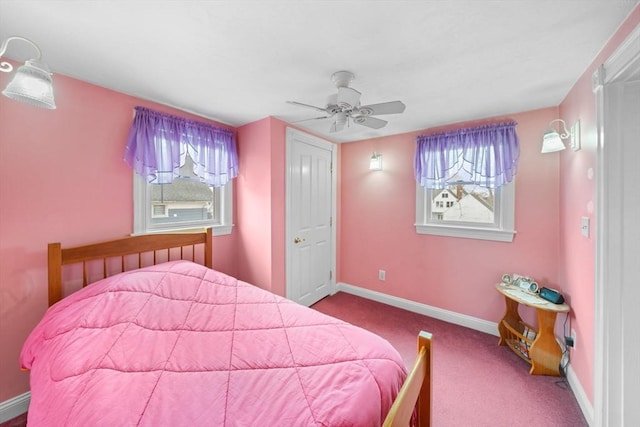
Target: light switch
x,y
584,226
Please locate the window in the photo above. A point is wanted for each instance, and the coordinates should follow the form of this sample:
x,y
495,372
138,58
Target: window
x,y
183,172
185,203
481,213
465,183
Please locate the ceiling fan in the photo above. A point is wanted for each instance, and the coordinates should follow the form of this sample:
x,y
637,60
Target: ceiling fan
x,y
345,105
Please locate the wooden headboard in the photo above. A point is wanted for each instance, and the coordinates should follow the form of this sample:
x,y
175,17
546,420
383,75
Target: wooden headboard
x,y
121,248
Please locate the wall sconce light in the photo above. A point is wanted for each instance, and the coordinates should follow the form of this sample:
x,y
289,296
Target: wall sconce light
x,y
32,82
375,164
552,139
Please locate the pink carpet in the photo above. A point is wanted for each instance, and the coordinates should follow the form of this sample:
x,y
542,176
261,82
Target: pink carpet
x,y
19,421
475,382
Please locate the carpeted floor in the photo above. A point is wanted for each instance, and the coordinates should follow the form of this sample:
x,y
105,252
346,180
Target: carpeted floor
x,y
19,421
475,382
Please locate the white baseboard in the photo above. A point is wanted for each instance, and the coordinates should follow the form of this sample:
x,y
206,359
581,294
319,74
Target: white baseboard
x,y
15,406
427,310
581,396
468,322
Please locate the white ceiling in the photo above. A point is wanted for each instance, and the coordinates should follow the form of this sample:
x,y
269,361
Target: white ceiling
x,y
239,61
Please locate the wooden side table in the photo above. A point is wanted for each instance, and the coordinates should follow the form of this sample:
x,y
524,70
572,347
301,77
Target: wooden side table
x,y
538,347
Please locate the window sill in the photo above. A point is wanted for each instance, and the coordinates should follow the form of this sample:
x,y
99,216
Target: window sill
x,y
466,232
218,230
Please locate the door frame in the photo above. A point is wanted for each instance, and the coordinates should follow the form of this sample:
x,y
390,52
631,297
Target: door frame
x,y
612,276
291,136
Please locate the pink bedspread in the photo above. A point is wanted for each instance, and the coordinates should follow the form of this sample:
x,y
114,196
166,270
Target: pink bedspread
x,y
179,344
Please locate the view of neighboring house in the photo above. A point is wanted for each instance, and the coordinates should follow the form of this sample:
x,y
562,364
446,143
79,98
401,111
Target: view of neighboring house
x,y
457,203
185,199
182,200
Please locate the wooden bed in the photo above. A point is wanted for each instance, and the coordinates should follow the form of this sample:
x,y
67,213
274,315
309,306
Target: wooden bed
x,y
413,399
123,249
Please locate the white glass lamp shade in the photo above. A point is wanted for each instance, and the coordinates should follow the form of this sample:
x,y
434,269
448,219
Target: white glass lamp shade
x,y
552,142
375,164
32,84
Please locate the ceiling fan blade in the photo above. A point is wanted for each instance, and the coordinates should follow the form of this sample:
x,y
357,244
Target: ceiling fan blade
x,y
306,105
348,97
313,118
392,107
371,122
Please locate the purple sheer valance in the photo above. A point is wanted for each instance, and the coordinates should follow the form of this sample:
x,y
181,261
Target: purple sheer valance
x,y
484,155
158,144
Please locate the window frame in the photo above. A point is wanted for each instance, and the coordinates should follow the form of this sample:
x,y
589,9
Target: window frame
x,y
501,230
143,210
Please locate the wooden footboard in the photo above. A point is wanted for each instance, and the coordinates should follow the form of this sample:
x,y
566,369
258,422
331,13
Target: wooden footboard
x,y
415,394
121,248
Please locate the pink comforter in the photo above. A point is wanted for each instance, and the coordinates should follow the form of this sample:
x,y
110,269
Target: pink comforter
x,y
180,344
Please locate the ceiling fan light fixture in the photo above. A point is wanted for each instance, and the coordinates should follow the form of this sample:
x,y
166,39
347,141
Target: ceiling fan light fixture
x,y
340,122
341,117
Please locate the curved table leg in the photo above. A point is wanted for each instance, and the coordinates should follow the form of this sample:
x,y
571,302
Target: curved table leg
x,y
545,352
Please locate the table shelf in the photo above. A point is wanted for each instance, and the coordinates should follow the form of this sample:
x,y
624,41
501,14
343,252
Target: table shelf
x,y
536,346
519,338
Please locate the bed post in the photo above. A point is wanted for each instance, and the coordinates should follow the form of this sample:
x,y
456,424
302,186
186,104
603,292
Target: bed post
x,y
55,273
415,395
424,399
208,248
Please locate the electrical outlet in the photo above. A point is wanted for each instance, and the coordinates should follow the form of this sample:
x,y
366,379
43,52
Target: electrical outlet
x,y
382,275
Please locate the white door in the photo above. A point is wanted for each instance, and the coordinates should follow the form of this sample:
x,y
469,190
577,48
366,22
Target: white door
x,y
310,211
617,335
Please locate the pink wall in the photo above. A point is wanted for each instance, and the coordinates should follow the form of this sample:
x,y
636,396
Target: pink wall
x,y
578,197
62,179
253,203
377,216
278,204
260,194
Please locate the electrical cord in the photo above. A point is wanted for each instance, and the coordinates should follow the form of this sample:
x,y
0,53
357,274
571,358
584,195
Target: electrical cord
x,y
566,354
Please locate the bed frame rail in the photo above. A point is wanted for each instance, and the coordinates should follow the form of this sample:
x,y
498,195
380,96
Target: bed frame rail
x,y
415,394
121,248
